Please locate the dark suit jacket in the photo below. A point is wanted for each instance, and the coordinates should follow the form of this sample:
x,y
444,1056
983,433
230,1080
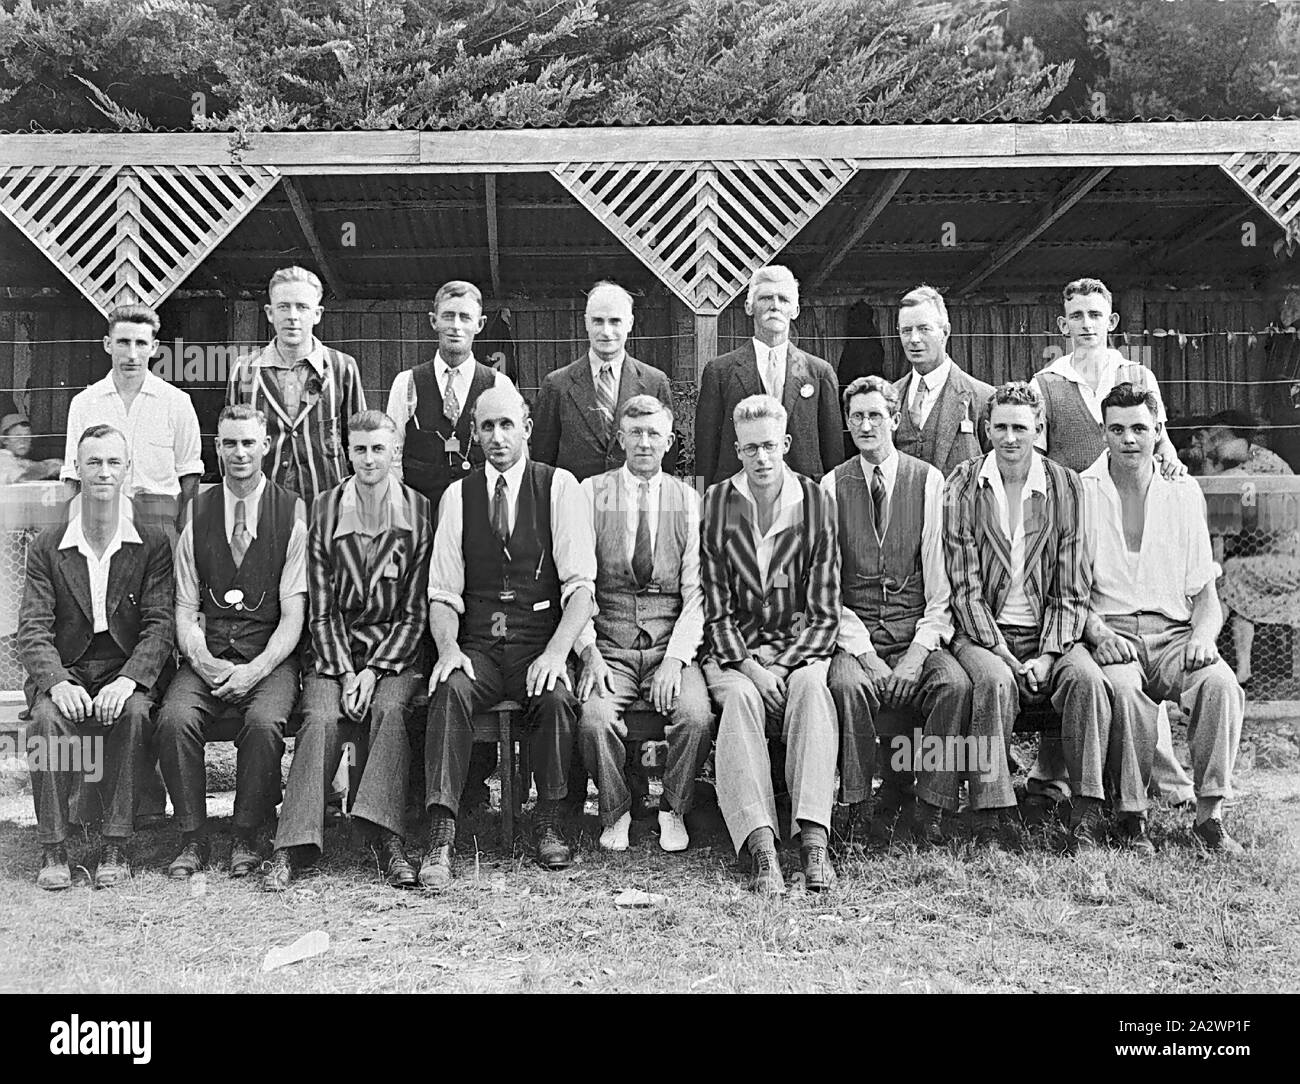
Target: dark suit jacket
x,y
56,623
962,397
815,424
567,427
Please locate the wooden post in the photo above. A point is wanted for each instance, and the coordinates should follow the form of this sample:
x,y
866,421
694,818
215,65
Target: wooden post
x,y
706,340
494,246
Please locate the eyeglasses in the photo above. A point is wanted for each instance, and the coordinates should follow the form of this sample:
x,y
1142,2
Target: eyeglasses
x,y
873,418
751,450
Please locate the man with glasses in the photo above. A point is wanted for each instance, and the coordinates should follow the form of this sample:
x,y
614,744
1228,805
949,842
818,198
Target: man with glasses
x,y
770,566
894,622
241,598
648,627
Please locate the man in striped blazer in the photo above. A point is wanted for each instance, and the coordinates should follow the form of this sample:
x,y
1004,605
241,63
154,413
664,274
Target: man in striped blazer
x,y
367,580
306,389
770,568
1020,576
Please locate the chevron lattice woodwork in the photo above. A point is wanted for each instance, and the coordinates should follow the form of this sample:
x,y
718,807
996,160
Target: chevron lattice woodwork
x,y
130,233
1272,180
705,228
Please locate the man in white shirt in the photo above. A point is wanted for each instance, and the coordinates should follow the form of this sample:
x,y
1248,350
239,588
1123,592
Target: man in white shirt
x,y
1155,617
162,430
511,585
241,599
894,621
648,627
433,403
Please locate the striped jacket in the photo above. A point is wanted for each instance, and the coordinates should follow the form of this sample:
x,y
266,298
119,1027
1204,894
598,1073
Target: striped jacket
x,y
977,552
369,603
309,452
801,621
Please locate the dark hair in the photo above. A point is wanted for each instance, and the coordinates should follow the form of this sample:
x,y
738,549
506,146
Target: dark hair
x,y
241,412
95,432
1015,393
644,406
370,421
1130,395
864,385
134,314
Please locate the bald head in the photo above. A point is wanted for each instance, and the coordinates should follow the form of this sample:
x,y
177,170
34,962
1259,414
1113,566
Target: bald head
x,y
609,320
502,426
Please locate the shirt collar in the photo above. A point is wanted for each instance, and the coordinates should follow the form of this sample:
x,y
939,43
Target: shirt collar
x,y
152,385
889,468
251,503
936,377
399,517
1064,367
790,495
270,357
632,483
762,350
513,476
74,537
596,363
441,368
1036,482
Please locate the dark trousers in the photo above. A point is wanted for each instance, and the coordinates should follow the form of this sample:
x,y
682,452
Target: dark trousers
x,y
552,720
379,742
116,750
190,714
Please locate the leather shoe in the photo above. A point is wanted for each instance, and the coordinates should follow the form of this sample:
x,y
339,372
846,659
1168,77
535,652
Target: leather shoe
x,y
279,873
927,822
818,873
435,868
1134,829
397,868
766,879
113,866
1214,837
193,858
552,851
244,858
55,872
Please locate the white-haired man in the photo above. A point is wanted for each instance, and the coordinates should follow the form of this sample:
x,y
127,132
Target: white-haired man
x,y
770,364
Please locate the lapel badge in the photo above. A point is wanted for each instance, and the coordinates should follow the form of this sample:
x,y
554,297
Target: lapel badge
x,y
806,392
234,596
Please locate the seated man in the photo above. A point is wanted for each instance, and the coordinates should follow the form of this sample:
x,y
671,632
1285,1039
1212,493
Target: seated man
x,y
770,566
649,625
511,585
1155,616
894,621
367,575
241,595
1018,567
95,636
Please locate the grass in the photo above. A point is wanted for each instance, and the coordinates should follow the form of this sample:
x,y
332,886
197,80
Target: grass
x,y
945,920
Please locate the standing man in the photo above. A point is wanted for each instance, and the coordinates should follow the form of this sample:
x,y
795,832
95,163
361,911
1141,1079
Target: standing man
x,y
649,625
1155,617
578,405
241,597
1072,388
943,407
770,364
162,431
1020,574
95,635
306,389
368,567
433,403
770,566
511,585
894,622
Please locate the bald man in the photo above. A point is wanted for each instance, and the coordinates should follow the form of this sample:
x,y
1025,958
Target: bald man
x,y
574,417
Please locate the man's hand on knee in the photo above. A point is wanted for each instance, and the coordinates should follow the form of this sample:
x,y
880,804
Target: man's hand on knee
x,y
666,685
73,702
595,675
546,671
1113,651
111,699
1199,652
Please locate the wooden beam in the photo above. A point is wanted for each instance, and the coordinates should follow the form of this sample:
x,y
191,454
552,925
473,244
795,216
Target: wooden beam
x,y
540,150
1205,227
293,189
1022,238
889,184
494,252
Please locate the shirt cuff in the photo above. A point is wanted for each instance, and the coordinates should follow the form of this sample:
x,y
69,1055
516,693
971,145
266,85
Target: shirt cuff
x,y
448,599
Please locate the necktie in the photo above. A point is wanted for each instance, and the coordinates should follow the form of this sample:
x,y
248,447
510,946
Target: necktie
x,y
500,512
918,399
880,501
773,363
239,538
642,557
450,401
606,396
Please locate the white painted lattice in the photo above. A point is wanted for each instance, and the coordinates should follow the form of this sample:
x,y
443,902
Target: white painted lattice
x,y
705,228
1272,180
130,233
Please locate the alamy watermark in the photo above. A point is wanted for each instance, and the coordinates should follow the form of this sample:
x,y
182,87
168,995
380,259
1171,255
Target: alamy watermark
x,y
179,362
921,752
79,753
